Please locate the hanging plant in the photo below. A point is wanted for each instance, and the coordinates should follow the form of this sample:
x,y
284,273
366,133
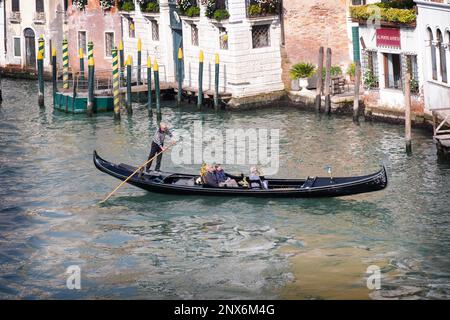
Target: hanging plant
x,y
184,5
79,4
149,6
106,4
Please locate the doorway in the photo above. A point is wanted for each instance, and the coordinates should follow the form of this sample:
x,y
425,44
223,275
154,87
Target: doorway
x,y
392,71
30,48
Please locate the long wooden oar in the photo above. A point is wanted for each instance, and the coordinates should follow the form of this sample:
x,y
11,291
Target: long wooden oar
x,y
125,181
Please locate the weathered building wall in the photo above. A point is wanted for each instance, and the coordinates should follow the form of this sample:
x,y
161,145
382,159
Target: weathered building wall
x,y
434,16
309,24
96,23
384,96
152,46
49,24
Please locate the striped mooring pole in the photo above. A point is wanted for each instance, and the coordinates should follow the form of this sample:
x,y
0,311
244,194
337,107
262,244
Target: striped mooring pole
x,y
90,104
81,56
200,80
139,61
90,50
54,75
121,61
129,63
116,83
41,43
157,88
65,49
40,65
180,75
216,82
149,84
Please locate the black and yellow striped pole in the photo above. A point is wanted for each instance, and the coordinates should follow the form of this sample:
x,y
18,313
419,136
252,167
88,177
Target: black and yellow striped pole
x,y
90,50
41,43
54,75
180,75
157,88
90,104
149,84
200,80
121,60
81,56
139,61
129,64
216,82
116,83
40,65
65,50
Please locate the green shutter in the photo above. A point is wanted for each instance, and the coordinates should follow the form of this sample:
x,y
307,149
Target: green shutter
x,y
355,37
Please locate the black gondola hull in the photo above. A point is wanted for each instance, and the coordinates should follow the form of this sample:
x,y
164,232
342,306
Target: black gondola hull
x,y
294,188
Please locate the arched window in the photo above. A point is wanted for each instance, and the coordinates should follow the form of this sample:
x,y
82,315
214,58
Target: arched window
x,y
433,54
442,56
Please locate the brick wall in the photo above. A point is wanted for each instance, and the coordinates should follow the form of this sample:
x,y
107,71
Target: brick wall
x,y
95,22
309,24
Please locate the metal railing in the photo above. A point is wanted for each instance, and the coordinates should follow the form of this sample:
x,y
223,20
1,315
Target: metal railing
x,y
103,82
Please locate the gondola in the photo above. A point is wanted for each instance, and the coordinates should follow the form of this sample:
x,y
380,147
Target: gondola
x,y
187,184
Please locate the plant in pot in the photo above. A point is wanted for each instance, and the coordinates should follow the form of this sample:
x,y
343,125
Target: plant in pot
x,y
300,73
351,71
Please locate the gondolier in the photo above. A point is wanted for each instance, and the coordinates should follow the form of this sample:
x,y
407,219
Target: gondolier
x,y
158,145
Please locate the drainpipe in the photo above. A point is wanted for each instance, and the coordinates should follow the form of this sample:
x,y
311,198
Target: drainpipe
x,y
281,15
4,29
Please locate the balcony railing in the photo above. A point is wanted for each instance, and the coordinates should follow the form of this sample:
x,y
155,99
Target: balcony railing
x,y
39,18
15,17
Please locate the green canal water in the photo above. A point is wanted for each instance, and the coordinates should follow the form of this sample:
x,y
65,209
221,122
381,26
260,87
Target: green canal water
x,y
142,245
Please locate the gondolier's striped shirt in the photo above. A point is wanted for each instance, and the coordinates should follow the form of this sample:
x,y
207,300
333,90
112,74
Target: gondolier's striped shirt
x,y
159,137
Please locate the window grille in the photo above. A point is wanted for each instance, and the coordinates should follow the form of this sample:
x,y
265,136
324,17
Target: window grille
x,y
194,35
155,31
261,36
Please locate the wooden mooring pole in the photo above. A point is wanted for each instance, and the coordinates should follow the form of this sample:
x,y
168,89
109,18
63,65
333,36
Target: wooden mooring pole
x,y
121,61
129,64
200,80
139,61
356,107
54,75
408,112
91,77
319,86
149,84
41,43
157,88
216,82
90,50
328,83
180,76
65,50
40,65
116,83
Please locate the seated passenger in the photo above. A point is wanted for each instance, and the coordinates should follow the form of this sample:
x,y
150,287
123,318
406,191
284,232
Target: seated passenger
x,y
210,178
255,180
222,178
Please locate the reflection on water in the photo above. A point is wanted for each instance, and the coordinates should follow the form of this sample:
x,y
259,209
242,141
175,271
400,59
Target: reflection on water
x,y
143,245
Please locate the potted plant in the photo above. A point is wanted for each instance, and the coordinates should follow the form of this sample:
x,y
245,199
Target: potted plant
x,y
79,4
126,5
151,6
351,71
300,73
